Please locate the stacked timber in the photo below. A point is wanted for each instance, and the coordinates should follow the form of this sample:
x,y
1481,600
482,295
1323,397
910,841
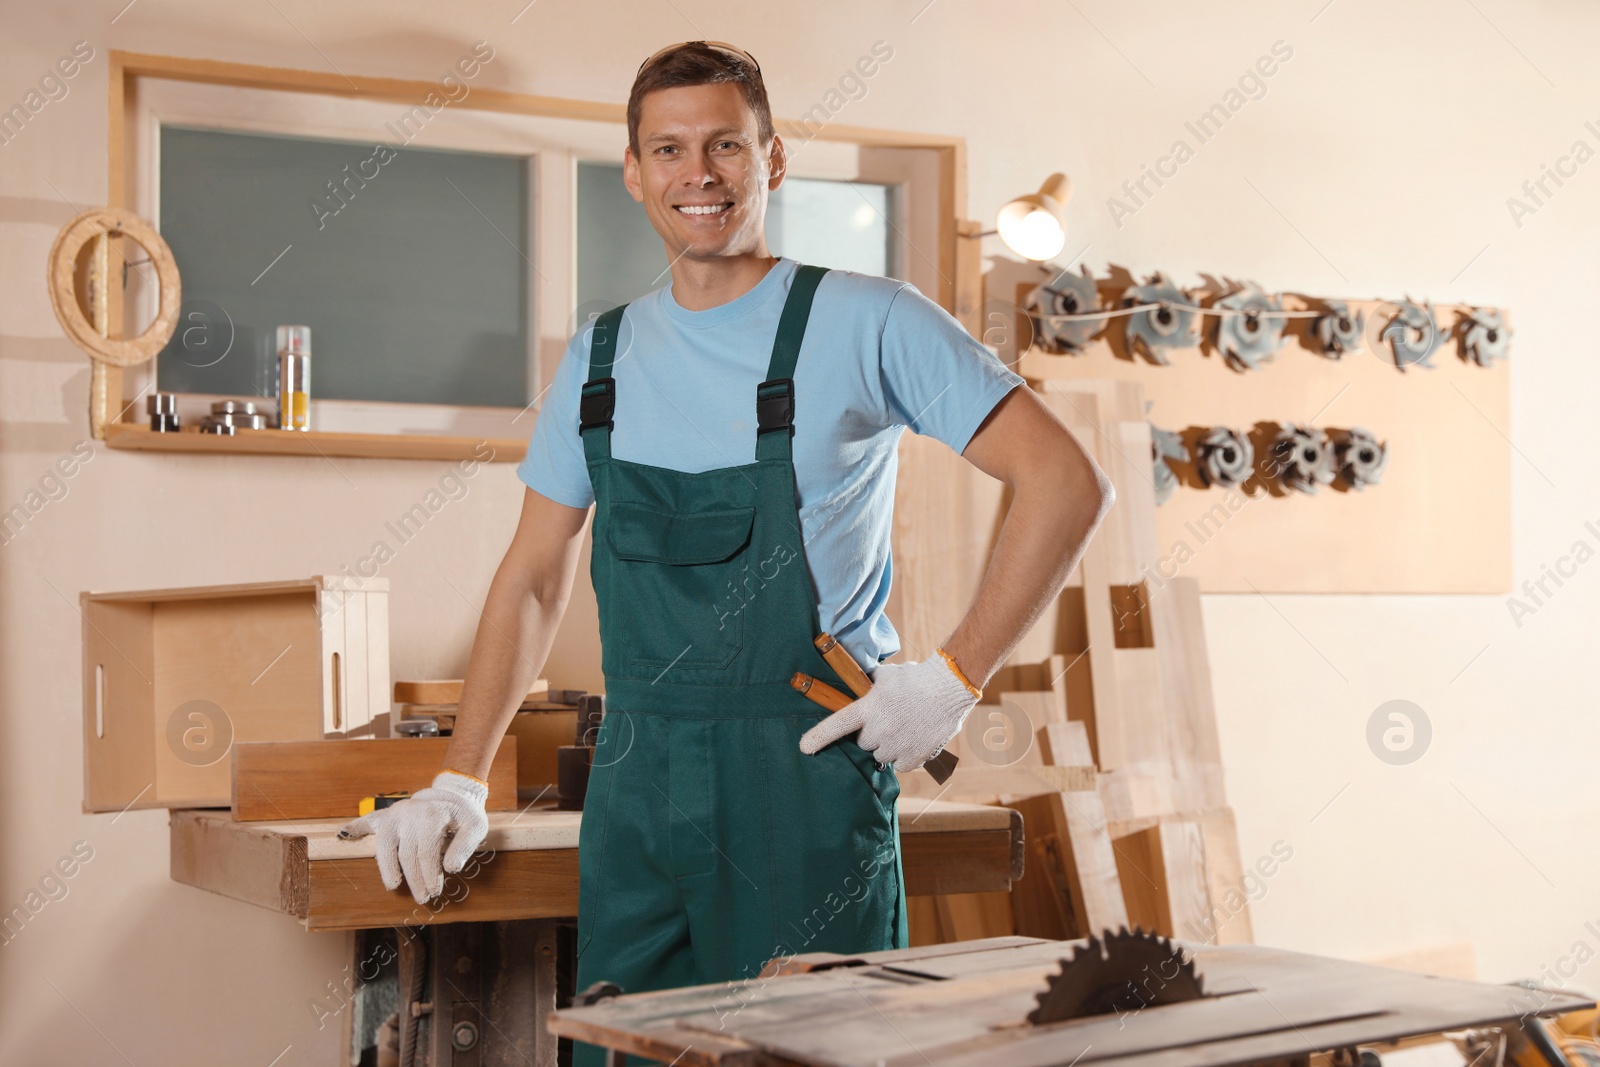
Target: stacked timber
x,y
1101,730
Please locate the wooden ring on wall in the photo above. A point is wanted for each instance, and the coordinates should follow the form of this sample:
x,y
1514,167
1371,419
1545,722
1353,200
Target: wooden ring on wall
x,y
119,352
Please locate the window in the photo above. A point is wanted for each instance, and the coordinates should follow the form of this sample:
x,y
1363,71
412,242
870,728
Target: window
x,y
401,263
829,222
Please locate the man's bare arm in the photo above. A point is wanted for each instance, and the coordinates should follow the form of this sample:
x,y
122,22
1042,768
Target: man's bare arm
x,y
524,606
1059,496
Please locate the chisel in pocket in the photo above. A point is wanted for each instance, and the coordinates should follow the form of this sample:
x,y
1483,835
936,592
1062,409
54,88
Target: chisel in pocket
x,y
939,767
943,764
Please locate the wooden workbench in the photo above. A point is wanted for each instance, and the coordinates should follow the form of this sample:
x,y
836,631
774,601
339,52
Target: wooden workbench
x,y
528,864
503,915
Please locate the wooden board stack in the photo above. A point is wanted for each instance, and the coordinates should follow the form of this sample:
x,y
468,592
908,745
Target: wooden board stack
x,y
1102,730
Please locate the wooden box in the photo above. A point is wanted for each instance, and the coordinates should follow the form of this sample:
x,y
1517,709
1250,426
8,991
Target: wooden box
x,y
173,678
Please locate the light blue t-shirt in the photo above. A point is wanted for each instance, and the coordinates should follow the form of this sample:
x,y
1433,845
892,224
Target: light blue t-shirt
x,y
878,356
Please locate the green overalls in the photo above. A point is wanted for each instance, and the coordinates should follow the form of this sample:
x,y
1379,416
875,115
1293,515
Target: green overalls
x,y
710,843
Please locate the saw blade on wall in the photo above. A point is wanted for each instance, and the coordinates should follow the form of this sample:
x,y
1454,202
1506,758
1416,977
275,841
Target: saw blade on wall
x,y
1066,294
1165,445
1227,457
1413,334
1337,329
1153,330
1360,457
1487,336
1304,457
1247,340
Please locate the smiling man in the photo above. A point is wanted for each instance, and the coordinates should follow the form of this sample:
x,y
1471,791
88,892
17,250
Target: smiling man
x,y
736,432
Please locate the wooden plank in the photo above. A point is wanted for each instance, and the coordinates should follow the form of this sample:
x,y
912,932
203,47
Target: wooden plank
x,y
1077,857
1191,722
1163,878
1092,877
1068,779
524,830
1135,795
1137,737
1066,744
1127,461
327,779
1041,900
1097,900
1091,680
1184,856
1228,919
947,518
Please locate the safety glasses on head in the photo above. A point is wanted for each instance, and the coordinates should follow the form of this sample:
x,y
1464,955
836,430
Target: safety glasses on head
x,y
721,46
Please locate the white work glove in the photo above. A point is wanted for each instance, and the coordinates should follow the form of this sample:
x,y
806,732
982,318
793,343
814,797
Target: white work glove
x,y
912,711
411,833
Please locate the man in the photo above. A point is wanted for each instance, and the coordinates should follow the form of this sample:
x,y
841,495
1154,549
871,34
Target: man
x,y
736,432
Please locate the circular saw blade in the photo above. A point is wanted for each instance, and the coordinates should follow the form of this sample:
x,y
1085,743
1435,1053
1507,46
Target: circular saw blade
x,y
1170,325
1066,294
1118,972
1247,340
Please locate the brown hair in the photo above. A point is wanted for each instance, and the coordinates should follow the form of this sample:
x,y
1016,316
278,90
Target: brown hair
x,y
699,63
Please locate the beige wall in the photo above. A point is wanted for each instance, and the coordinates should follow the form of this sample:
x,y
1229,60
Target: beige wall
x,y
1378,163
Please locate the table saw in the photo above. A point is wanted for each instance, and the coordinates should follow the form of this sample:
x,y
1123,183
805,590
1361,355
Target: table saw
x,y
1128,998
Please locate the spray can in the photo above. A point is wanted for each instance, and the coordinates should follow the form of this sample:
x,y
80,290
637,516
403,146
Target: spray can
x,y
294,377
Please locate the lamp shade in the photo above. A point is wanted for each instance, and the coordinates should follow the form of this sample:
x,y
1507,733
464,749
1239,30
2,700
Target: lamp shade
x,y
1034,226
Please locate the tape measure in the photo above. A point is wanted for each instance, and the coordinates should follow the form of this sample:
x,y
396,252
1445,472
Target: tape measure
x,y
369,805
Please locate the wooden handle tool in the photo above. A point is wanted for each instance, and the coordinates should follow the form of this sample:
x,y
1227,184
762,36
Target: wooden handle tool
x,y
820,692
844,664
943,764
940,767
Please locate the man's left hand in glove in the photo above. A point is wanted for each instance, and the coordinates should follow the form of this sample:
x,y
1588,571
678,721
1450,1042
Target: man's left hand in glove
x,y
912,711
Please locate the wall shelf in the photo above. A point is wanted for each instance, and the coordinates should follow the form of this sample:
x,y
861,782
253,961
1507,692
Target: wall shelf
x,y
140,438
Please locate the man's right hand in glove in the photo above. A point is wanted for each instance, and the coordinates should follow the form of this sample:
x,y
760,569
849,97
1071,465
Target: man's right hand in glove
x,y
411,833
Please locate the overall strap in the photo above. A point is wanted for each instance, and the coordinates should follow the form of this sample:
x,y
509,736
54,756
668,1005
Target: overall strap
x,y
598,399
775,396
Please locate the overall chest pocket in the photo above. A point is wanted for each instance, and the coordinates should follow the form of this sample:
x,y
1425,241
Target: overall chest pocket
x,y
678,591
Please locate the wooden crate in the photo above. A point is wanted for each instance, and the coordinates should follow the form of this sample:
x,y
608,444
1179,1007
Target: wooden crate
x,y
173,678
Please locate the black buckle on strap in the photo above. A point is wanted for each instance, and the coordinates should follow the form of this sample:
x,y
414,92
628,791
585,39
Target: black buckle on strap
x,y
597,403
775,405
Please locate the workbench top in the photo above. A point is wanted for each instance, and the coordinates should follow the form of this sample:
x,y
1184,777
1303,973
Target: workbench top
x,y
539,828
529,867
